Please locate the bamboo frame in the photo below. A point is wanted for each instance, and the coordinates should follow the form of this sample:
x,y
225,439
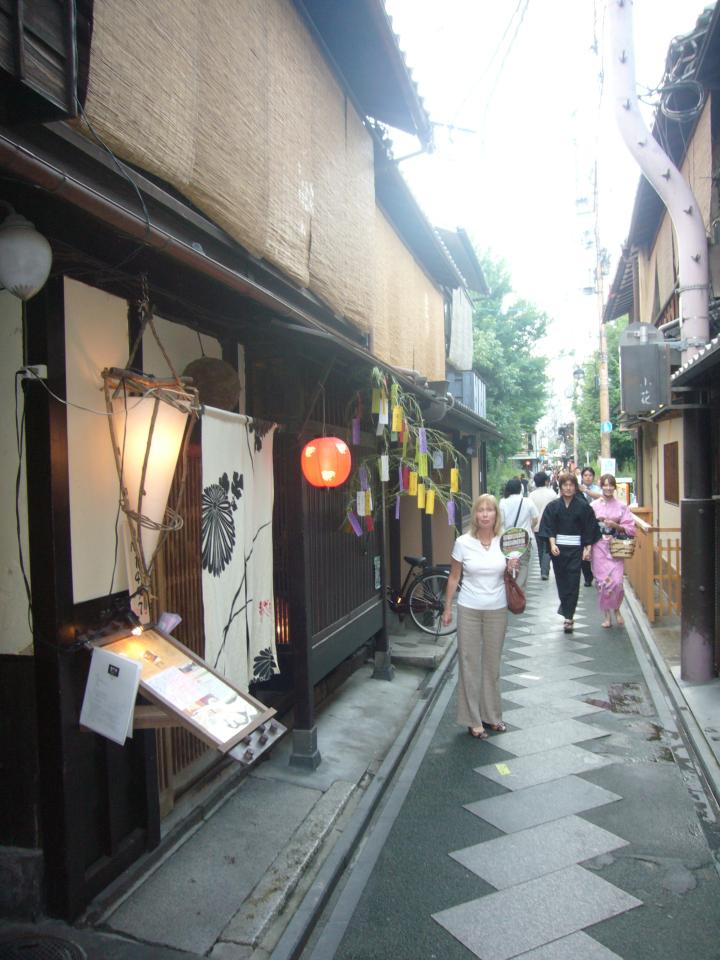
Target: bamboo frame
x,y
176,393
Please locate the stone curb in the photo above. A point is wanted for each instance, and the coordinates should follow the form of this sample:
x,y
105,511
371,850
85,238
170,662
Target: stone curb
x,y
259,910
684,715
298,930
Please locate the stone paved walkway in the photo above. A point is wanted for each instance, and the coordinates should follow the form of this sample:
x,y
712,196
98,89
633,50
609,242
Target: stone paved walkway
x,y
580,833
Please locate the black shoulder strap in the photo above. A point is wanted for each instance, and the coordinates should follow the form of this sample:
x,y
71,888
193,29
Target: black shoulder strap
x,y
519,509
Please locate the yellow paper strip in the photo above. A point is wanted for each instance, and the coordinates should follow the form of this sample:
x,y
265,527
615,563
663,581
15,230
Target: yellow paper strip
x,y
413,484
454,480
375,401
423,465
368,503
396,419
421,496
502,768
430,502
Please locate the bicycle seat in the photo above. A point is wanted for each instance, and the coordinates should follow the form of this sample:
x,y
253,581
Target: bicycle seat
x,y
417,561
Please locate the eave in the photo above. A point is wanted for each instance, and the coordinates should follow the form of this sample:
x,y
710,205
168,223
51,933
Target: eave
x,y
359,42
396,200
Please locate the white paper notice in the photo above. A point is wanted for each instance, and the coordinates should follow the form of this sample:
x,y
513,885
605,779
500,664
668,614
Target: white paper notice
x,y
110,693
384,415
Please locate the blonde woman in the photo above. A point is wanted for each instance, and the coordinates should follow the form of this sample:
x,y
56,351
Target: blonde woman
x,y
482,617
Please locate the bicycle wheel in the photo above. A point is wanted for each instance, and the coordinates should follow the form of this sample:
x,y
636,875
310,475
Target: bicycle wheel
x,y
426,601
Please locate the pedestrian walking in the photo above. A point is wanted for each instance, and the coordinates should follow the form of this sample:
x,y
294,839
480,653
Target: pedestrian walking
x,y
615,519
541,497
519,511
571,528
591,491
482,617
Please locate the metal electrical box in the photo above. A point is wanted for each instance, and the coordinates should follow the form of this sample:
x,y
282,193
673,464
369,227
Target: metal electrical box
x,y
644,370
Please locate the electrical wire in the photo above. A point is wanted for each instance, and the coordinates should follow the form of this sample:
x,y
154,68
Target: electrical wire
x,y
506,57
495,54
20,442
125,173
29,372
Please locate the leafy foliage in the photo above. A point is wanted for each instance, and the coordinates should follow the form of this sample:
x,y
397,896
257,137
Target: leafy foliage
x,y
506,330
587,406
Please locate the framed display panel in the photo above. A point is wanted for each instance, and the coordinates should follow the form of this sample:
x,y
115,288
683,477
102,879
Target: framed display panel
x,y
187,688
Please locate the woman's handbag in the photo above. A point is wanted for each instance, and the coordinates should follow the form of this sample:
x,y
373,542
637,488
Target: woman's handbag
x,y
514,594
622,549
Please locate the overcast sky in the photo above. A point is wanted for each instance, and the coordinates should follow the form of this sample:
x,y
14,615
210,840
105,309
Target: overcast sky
x,y
524,77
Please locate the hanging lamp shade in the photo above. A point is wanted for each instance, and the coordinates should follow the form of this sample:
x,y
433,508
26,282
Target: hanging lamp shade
x,y
326,462
25,257
148,420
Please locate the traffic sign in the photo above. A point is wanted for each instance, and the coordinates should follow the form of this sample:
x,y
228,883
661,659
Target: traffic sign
x,y
606,427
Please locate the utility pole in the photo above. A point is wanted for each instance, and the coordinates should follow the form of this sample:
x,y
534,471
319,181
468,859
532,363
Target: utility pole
x,y
600,269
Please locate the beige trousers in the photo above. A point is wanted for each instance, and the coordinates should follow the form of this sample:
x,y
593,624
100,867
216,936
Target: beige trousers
x,y
480,634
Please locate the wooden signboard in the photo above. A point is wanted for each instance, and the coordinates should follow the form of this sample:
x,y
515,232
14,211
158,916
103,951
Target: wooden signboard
x,y
188,689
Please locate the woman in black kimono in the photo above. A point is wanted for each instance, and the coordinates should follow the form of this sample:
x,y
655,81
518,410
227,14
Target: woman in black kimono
x,y
571,529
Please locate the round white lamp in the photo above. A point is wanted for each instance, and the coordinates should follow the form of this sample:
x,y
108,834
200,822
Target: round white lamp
x,y
25,257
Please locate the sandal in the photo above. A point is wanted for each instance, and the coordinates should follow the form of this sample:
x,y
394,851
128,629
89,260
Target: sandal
x,y
498,727
606,624
478,733
619,620
568,626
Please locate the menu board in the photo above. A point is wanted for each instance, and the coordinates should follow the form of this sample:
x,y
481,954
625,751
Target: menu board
x,y
202,700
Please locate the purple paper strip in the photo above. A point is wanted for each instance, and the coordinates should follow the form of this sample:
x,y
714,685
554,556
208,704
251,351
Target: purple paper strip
x,y
422,440
354,523
451,513
363,477
356,431
397,507
400,478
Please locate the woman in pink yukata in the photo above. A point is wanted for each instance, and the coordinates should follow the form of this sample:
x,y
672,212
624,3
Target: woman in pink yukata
x,y
614,518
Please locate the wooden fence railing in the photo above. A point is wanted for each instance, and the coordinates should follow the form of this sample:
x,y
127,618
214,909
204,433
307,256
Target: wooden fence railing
x,y
655,568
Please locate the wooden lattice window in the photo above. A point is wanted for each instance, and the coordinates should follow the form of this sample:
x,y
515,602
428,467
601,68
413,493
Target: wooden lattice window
x,y
671,472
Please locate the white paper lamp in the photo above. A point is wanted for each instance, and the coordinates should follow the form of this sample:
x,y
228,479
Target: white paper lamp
x,y
25,257
148,420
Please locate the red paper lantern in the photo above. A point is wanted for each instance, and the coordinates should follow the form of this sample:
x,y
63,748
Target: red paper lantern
x,y
326,462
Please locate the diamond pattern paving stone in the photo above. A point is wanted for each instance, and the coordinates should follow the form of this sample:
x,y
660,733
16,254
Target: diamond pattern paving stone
x,y
537,851
542,803
540,767
530,678
524,717
539,650
578,946
535,660
546,736
559,689
504,924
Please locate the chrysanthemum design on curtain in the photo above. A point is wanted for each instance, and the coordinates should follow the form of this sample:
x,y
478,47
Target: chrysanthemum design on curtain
x,y
237,549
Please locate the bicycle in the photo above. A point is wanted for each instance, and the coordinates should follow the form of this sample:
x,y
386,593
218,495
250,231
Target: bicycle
x,y
422,595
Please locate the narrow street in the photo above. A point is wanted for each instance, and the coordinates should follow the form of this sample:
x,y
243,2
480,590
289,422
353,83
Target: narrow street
x,y
583,832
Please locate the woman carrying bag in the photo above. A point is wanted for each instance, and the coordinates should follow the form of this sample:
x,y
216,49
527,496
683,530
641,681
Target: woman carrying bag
x,y
482,617
615,521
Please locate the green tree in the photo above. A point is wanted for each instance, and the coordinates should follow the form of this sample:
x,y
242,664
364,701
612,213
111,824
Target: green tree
x,y
587,405
506,330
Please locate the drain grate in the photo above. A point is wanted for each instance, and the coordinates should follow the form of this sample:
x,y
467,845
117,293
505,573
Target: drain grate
x,y
37,946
